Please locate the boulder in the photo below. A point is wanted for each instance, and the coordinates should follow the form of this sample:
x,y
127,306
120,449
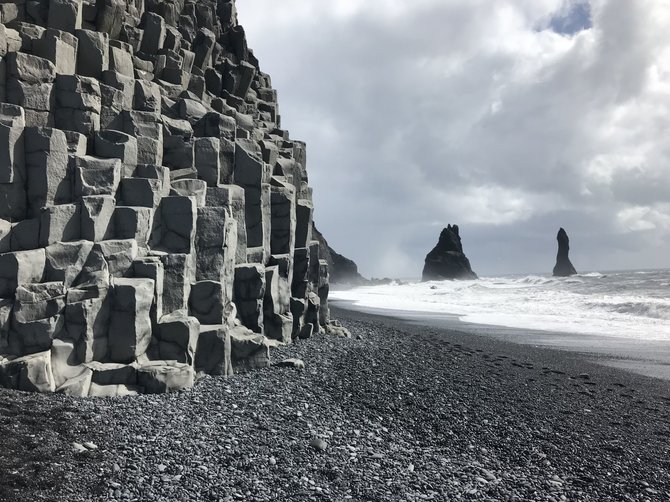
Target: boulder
x,y
114,391
213,353
31,373
65,364
178,336
249,350
159,377
447,260
563,267
112,373
78,386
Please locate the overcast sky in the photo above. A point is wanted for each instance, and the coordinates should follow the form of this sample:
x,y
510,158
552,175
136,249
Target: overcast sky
x,y
510,118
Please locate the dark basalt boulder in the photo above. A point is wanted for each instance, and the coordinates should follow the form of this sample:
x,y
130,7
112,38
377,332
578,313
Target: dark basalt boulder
x,y
342,270
563,266
447,260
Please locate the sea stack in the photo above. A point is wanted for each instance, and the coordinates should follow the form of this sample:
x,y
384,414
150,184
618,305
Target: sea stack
x,y
447,260
563,266
155,218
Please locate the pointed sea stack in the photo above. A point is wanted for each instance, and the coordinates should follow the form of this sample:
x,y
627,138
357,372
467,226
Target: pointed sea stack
x,y
563,266
447,260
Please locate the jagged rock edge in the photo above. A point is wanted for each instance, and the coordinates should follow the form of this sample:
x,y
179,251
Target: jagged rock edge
x,y
155,220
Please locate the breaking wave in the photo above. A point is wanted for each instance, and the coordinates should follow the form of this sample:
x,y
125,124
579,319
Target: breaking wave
x,y
618,304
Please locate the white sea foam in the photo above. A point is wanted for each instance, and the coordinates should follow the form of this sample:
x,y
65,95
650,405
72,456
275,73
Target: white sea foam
x,y
618,304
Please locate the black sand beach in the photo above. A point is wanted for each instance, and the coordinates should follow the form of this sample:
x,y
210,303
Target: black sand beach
x,y
406,412
646,357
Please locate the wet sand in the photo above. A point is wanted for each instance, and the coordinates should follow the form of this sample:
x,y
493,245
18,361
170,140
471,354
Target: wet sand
x,y
644,357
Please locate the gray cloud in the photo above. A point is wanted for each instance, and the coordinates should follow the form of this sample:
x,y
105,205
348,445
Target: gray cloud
x,y
418,114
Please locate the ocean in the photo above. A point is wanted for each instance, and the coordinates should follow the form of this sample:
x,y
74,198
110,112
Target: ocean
x,y
633,305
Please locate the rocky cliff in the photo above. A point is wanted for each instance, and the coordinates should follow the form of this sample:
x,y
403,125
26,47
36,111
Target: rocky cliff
x,y
563,267
155,220
342,270
447,260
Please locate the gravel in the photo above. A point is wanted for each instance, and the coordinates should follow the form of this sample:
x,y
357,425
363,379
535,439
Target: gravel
x,y
399,412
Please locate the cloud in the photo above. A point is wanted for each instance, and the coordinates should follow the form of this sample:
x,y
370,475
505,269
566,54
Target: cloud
x,y
510,118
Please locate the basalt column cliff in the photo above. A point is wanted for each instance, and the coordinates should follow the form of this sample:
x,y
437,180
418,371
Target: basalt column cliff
x,y
155,218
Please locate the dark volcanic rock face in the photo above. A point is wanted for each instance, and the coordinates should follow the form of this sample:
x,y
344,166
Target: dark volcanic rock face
x,y
447,260
563,266
155,218
342,270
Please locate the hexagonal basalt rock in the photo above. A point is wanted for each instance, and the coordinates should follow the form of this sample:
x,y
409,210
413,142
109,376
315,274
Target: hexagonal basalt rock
x,y
155,220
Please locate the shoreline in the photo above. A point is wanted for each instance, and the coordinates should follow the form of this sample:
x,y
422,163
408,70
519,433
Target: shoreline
x,y
406,413
649,358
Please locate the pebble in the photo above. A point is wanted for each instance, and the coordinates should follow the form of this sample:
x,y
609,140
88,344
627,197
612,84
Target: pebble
x,y
402,415
318,444
298,364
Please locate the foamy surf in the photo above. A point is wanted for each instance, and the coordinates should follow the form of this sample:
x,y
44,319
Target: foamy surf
x,y
631,305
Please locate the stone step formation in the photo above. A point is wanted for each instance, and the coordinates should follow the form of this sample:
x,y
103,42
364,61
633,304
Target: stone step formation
x,y
155,220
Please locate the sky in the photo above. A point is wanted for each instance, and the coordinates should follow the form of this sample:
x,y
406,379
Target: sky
x,y
509,118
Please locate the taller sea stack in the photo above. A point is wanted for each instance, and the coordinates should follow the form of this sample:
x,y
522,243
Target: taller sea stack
x,y
447,260
563,266
155,219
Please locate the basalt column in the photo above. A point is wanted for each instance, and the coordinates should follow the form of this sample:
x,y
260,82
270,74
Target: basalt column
x,y
155,219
